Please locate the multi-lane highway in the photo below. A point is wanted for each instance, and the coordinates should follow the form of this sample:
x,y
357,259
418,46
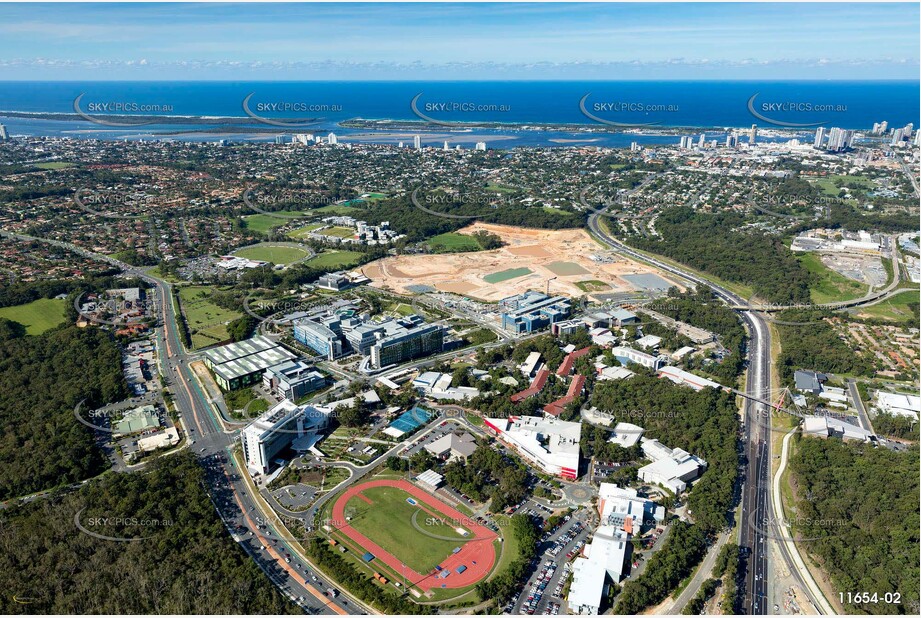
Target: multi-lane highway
x,y
756,505
212,440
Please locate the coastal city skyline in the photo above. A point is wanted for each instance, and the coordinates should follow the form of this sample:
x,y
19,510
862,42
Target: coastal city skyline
x,y
498,309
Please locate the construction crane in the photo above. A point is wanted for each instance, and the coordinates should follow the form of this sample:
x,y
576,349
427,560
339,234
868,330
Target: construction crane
x,y
548,285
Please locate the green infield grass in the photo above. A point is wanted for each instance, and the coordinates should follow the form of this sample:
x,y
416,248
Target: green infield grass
x,y
335,259
394,524
276,254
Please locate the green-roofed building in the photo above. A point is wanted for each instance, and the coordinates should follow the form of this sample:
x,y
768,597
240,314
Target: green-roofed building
x,y
136,420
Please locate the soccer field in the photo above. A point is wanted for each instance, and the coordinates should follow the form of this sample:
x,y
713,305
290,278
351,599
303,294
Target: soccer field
x,y
37,316
276,254
411,533
335,259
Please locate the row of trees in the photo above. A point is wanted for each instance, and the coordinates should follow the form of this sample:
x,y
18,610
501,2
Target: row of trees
x,y
501,587
359,584
684,548
729,567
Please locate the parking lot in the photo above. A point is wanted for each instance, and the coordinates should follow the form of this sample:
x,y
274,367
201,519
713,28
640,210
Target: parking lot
x,y
543,592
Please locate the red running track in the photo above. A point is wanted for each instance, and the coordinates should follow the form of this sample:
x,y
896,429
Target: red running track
x,y
479,548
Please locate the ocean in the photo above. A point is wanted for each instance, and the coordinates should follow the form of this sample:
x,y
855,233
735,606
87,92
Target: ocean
x,y
515,113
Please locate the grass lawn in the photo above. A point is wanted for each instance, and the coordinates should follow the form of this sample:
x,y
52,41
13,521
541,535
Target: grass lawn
x,y
266,223
206,320
302,232
831,286
505,275
37,316
499,188
335,259
337,209
54,165
401,309
277,254
334,476
237,401
339,232
155,272
389,523
452,242
509,549
592,285
896,308
831,185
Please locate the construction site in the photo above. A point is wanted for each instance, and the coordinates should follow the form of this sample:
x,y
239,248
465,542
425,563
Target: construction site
x,y
569,261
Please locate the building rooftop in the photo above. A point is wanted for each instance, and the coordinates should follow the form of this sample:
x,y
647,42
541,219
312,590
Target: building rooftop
x,y
463,444
809,380
626,434
430,477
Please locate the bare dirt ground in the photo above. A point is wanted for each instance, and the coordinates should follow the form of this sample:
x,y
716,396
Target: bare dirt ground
x,y
463,273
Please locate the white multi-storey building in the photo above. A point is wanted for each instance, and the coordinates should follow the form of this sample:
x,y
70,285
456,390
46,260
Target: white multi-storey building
x,y
276,430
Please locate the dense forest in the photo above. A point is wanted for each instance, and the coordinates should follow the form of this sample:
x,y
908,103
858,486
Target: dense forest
x,y
713,244
815,345
861,504
22,292
187,563
703,423
43,378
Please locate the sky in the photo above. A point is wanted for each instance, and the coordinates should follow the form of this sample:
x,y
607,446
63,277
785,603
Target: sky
x,y
450,41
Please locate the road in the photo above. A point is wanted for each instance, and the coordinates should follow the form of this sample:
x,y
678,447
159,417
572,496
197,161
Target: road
x,y
914,181
208,437
756,462
858,405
